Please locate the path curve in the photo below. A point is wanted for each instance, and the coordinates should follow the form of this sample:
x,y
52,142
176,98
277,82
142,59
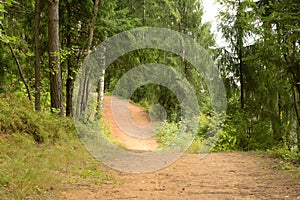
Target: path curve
x,y
218,176
138,115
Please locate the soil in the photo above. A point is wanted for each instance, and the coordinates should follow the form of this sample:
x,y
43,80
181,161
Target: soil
x,y
139,118
217,176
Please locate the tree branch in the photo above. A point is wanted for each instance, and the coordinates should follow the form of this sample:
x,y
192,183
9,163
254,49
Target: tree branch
x,y
18,65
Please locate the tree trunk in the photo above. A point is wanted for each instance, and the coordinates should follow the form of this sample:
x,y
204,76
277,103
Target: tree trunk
x,y
54,65
100,92
70,88
144,13
2,79
82,98
18,65
37,100
297,107
2,68
71,74
240,55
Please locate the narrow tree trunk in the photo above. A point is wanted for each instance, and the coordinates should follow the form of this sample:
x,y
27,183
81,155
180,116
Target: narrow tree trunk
x,y
100,92
101,89
82,98
37,100
85,94
144,13
241,79
71,74
297,111
92,27
2,79
54,65
297,102
70,89
101,84
18,65
277,121
2,68
240,55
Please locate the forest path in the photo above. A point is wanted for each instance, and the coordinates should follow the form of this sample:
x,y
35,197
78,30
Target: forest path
x,y
217,176
139,118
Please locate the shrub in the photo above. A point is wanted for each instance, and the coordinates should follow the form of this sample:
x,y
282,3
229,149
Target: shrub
x,y
18,117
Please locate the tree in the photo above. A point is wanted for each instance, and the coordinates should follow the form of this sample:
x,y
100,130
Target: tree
x,y
37,55
2,68
238,22
269,68
283,39
183,16
18,64
82,98
54,63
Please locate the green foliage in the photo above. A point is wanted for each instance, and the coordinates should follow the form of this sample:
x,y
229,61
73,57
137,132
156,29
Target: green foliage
x,y
262,35
196,146
33,171
4,37
286,154
183,16
18,117
226,142
167,133
40,154
262,40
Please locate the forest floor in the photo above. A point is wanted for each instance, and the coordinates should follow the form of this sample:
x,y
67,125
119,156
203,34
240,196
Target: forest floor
x,y
237,175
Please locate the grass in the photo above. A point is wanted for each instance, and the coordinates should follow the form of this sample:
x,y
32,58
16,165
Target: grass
x,y
41,155
289,159
105,126
30,171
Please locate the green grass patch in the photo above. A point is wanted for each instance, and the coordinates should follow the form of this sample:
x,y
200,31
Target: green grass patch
x,y
41,154
289,158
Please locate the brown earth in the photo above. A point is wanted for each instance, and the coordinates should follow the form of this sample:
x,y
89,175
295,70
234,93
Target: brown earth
x,y
217,176
138,115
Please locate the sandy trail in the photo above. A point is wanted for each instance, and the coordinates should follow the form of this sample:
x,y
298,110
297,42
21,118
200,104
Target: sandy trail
x,y
138,116
219,176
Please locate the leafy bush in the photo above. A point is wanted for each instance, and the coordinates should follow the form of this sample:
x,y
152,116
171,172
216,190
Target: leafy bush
x,y
167,133
286,154
226,142
250,133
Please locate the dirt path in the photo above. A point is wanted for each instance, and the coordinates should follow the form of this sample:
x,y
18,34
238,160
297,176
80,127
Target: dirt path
x,y
217,176
138,115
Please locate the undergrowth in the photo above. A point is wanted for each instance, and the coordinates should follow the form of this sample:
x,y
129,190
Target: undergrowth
x,y
168,130
41,154
289,157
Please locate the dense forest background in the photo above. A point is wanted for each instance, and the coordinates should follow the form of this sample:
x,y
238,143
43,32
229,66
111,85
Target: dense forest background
x,y
43,45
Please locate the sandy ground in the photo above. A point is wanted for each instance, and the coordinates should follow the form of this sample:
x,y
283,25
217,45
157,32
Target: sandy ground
x,y
139,120
217,176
